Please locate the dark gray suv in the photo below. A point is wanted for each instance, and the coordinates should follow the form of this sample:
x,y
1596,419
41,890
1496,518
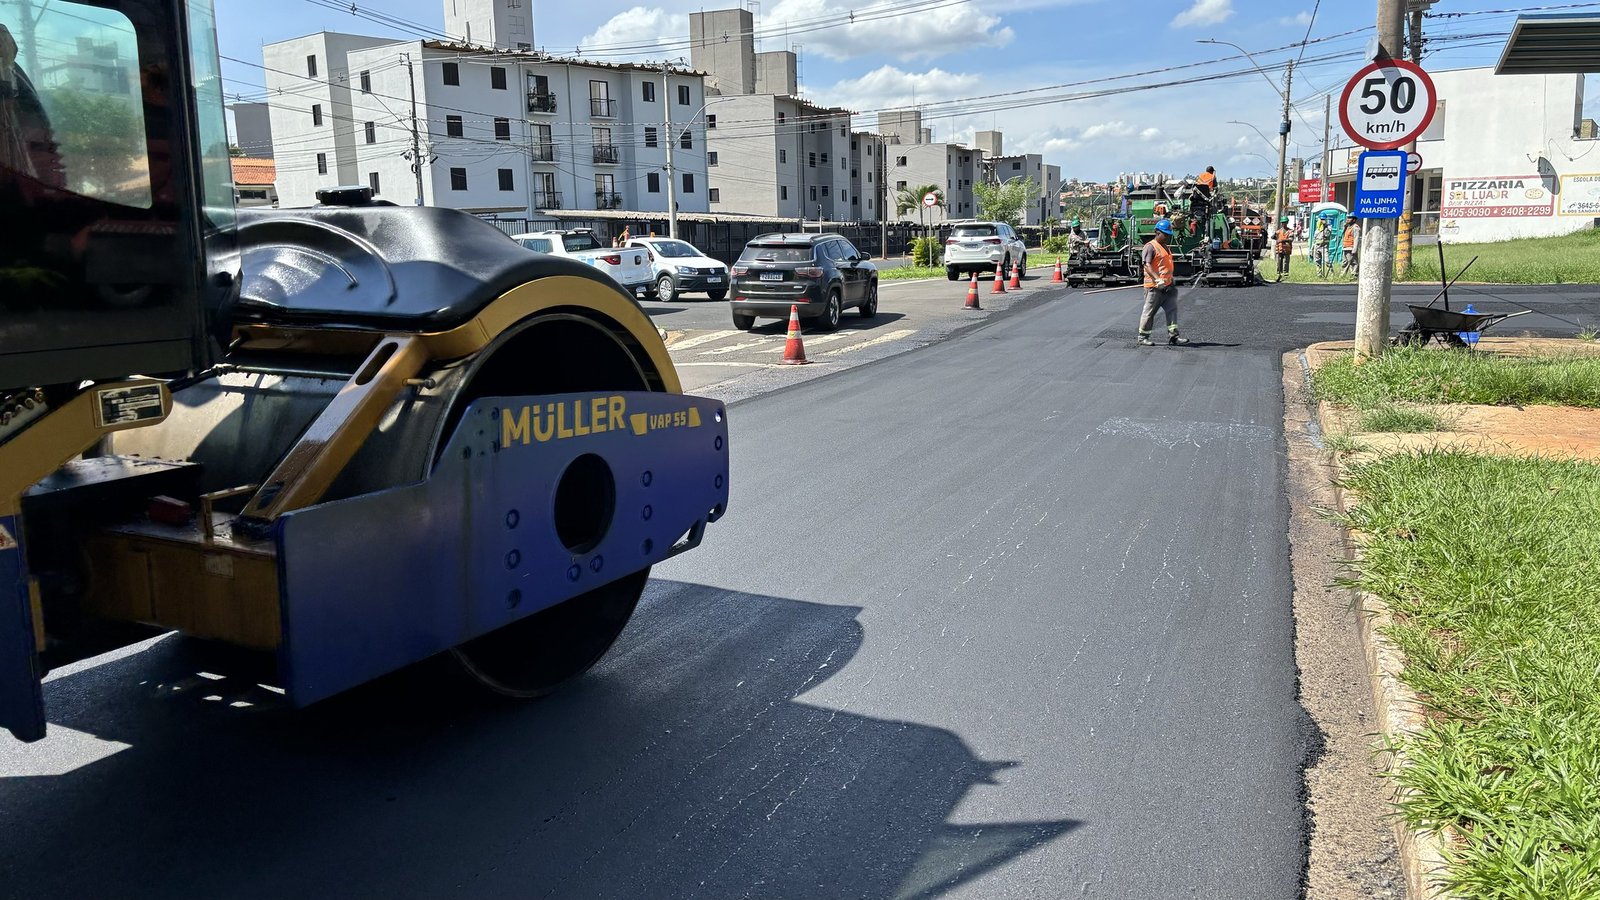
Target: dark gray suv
x,y
823,274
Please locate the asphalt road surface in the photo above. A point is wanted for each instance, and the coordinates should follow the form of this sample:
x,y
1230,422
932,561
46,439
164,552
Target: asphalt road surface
x,y
1006,616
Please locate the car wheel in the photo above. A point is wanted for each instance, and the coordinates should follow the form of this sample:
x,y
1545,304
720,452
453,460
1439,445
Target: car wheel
x,y
869,306
829,320
744,323
717,295
664,289
1005,266
951,271
1023,266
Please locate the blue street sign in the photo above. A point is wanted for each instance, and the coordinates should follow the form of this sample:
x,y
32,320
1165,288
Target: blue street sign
x,y
1380,184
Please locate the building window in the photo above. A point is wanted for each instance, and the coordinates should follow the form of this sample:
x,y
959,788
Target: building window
x,y
899,160
1016,167
711,158
686,140
506,181
497,78
683,95
688,183
824,190
458,179
322,163
452,126
842,132
811,160
714,195
899,185
600,99
869,178
372,182
711,121
852,144
824,159
649,88
650,137
783,155
842,165
502,129
783,192
780,118
452,73
652,182
813,192
371,129
316,114
366,82
311,65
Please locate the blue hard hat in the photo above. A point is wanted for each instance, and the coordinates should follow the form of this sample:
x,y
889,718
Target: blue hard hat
x,y
1164,227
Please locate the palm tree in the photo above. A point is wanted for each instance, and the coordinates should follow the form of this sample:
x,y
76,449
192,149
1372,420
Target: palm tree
x,y
911,198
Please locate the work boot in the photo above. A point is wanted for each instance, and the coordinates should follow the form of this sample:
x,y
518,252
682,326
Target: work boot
x,y
1144,341
1175,340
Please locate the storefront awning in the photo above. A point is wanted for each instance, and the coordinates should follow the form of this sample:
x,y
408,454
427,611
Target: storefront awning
x,y
1551,45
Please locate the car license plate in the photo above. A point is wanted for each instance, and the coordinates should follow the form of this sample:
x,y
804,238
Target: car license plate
x,y
971,246
771,276
715,279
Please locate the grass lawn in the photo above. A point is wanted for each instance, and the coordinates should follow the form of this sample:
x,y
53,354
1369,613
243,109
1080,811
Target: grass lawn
x,y
1411,375
902,273
1489,565
1568,259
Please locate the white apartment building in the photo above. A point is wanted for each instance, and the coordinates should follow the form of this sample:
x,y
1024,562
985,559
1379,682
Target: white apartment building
x,y
953,167
501,131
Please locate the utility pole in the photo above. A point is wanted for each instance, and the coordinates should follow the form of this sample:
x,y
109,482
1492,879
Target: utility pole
x,y
672,188
416,138
1324,179
1376,277
1402,246
1283,140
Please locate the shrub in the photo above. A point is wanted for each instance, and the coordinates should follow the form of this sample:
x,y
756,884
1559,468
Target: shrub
x,y
926,251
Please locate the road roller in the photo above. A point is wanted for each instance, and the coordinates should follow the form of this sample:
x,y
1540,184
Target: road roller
x,y
349,437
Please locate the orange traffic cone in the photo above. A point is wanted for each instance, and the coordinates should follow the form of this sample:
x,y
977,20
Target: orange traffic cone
x,y
1016,277
1057,279
972,293
999,280
794,350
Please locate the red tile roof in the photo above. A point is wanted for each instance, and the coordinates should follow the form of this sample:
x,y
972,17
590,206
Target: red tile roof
x,y
254,171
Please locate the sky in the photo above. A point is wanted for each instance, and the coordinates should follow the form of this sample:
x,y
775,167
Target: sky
x,y
944,53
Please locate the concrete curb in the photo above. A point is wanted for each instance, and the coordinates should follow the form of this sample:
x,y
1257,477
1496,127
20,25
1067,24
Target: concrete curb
x,y
1400,716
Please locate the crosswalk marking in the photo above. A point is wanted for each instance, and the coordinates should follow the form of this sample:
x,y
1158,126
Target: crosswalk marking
x,y
702,339
825,338
891,336
734,348
729,363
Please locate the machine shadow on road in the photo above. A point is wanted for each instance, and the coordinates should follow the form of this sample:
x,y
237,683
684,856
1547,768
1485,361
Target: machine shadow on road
x,y
850,322
683,765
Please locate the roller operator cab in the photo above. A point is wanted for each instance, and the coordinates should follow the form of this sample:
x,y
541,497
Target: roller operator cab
x,y
352,436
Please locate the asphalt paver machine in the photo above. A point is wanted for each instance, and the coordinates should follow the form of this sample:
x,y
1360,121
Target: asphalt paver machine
x,y
1207,246
352,436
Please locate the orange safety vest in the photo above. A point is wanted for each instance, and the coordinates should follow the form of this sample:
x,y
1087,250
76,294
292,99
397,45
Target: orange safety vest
x,y
1207,179
1349,239
1285,241
1159,272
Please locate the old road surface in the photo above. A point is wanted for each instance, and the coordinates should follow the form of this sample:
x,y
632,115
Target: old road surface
x,y
1005,616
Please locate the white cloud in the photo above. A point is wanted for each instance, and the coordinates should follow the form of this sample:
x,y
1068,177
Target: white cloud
x,y
1204,12
1115,129
926,34
1149,134
887,87
647,28
1301,18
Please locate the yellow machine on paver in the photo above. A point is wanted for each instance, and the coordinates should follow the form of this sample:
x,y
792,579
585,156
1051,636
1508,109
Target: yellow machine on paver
x,y
353,436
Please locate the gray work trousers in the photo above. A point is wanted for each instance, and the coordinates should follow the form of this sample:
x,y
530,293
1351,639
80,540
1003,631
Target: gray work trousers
x,y
1164,299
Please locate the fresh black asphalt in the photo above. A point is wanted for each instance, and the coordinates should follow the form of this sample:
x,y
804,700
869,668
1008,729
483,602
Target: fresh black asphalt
x,y
1006,616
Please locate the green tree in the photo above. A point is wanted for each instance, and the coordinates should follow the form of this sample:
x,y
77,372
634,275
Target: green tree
x,y
1006,202
101,139
911,198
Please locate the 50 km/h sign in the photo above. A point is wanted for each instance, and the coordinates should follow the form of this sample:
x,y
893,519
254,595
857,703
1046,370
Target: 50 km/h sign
x,y
1388,103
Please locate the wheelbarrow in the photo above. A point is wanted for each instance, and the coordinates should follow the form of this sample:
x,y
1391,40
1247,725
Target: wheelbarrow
x,y
1446,326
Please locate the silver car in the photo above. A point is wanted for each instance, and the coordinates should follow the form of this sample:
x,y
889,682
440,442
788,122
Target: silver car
x,y
980,246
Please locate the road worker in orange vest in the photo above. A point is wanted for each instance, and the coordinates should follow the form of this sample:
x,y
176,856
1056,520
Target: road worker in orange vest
x,y
1206,185
1160,290
1283,246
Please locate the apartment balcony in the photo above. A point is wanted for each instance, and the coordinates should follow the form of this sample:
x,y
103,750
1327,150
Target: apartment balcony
x,y
547,200
602,108
541,103
544,152
606,153
607,200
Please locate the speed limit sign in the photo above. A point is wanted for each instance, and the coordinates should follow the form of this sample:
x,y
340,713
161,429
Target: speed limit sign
x,y
1388,103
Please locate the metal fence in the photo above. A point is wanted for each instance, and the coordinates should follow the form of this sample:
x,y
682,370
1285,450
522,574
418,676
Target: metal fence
x,y
726,240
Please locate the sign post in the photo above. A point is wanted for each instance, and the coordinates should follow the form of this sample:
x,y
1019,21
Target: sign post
x,y
1387,104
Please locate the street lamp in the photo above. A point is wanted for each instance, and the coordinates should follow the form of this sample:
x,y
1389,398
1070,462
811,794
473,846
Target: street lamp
x,y
1252,128
1283,127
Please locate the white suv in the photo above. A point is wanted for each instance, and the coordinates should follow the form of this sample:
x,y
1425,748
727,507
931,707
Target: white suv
x,y
980,246
630,266
680,268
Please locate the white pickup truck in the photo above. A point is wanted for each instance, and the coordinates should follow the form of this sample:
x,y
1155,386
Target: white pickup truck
x,y
629,266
